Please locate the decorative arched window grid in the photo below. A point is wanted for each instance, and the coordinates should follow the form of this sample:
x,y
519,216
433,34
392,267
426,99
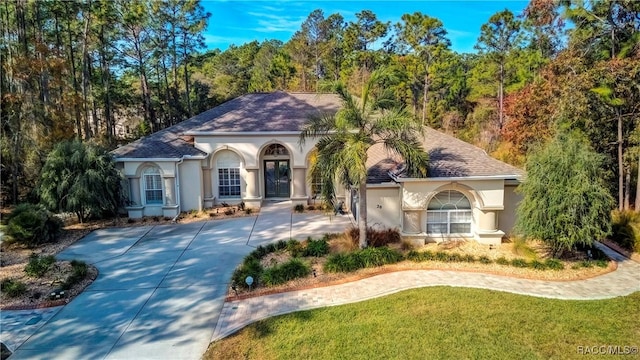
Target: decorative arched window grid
x,y
276,150
228,165
152,186
449,212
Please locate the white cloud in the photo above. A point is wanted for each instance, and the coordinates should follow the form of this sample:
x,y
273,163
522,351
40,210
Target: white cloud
x,y
276,23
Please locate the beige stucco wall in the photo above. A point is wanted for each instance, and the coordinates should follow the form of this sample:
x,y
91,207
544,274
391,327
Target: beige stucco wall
x,y
190,185
507,217
383,207
250,146
484,194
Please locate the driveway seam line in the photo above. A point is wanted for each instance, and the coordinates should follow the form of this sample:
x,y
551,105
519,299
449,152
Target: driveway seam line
x,y
155,289
252,228
129,248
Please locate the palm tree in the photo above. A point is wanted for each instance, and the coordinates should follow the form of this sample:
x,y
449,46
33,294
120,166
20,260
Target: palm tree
x,y
345,137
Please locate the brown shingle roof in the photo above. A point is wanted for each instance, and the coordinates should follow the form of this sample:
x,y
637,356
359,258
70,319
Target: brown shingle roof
x,y
448,157
258,112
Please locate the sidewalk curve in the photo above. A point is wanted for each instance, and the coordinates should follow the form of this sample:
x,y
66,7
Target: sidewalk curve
x,y
240,313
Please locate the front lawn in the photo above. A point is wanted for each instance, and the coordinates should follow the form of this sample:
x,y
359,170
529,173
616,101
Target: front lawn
x,y
441,323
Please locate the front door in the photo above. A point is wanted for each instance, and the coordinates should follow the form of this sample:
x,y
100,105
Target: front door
x,y
276,178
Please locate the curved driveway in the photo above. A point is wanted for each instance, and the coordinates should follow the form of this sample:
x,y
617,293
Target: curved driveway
x,y
160,289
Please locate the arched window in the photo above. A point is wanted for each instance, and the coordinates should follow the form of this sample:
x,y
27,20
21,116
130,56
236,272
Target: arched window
x,y
228,164
449,212
152,185
276,149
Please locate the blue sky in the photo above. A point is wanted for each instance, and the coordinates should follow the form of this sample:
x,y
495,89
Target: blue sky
x,y
239,22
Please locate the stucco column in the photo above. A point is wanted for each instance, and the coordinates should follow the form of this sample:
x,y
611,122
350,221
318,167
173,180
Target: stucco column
x,y
411,222
252,183
208,189
134,190
487,220
299,188
169,191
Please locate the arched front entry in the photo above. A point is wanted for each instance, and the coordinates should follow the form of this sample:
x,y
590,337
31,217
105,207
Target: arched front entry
x,y
276,163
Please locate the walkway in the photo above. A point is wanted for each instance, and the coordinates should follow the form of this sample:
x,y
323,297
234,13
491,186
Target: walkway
x,y
160,289
238,314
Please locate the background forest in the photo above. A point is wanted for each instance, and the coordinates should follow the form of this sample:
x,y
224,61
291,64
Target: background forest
x,y
110,71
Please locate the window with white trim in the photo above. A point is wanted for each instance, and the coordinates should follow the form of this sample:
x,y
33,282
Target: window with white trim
x,y
228,165
152,186
449,212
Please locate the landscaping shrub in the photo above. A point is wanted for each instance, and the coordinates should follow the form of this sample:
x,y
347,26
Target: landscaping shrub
x,y
441,256
33,225
625,229
80,271
376,237
372,256
294,247
250,267
280,274
248,211
455,257
469,258
484,259
406,245
229,211
502,261
521,248
535,264
316,248
12,288
554,264
38,266
521,263
368,257
298,208
311,207
419,256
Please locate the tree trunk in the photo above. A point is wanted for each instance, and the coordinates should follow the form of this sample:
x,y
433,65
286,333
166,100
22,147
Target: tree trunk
x,y
627,188
186,80
620,165
85,71
424,99
106,87
637,202
77,111
501,98
362,214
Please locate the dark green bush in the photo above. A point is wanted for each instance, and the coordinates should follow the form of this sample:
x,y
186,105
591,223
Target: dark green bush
x,y
346,262
80,271
535,264
502,261
33,225
441,256
554,264
12,287
521,263
602,263
469,258
280,274
484,259
419,256
38,266
317,248
372,256
298,208
249,267
455,257
369,257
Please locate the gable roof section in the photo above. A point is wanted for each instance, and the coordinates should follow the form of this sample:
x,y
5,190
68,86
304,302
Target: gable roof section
x,y
258,112
448,157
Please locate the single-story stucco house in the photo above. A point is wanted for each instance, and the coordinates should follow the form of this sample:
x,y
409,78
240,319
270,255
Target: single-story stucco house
x,y
247,150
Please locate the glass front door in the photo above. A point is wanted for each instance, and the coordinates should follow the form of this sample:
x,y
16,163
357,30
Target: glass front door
x,y
276,178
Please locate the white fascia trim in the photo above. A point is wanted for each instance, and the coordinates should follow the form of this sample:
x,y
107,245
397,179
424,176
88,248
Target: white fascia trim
x,y
457,178
240,133
185,157
383,185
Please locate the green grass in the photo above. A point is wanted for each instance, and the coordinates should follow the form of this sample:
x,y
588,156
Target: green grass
x,y
440,323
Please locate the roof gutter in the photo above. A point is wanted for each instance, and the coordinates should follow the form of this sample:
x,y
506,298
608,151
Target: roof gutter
x,y
455,178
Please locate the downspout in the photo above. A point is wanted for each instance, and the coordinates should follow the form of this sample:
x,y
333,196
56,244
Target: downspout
x,y
177,170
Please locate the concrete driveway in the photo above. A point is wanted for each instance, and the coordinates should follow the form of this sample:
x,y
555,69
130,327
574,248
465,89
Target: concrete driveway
x,y
160,289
